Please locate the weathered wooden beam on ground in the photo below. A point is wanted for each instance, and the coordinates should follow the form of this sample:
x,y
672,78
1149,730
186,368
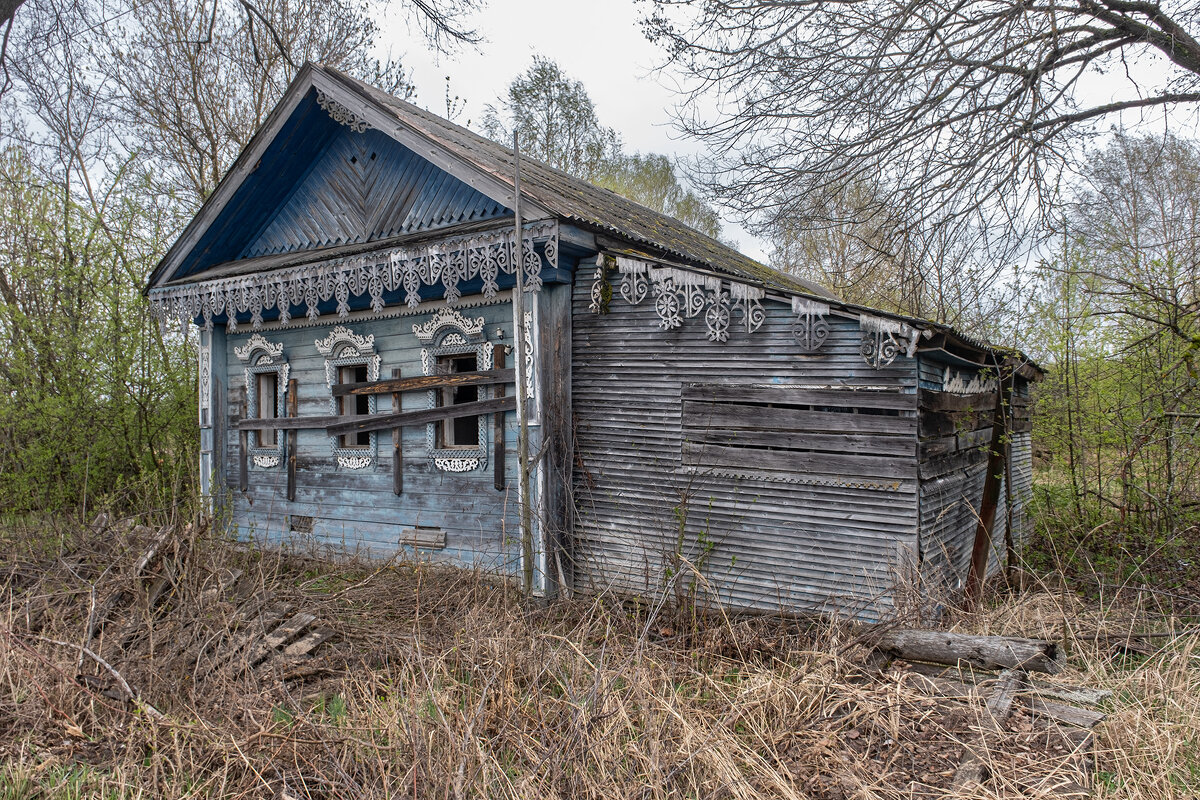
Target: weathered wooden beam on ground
x,y
419,382
999,705
982,652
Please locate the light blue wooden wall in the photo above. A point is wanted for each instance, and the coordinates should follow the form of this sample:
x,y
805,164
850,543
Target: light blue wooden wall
x,y
356,510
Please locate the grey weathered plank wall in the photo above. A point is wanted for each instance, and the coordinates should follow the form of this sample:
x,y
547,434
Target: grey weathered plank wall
x,y
357,509
952,483
814,539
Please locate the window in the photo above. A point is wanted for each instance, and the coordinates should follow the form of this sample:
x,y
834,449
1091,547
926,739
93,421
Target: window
x,y
266,374
454,344
354,405
267,393
460,432
351,358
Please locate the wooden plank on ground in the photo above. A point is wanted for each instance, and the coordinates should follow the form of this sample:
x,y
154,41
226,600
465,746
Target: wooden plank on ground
x,y
982,652
284,633
1061,712
250,631
225,579
307,643
972,767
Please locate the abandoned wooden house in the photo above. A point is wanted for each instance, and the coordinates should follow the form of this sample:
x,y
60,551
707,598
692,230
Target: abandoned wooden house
x,y
370,334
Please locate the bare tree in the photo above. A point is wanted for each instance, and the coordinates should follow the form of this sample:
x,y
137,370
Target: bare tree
x,y
556,120
1137,211
650,179
193,82
961,112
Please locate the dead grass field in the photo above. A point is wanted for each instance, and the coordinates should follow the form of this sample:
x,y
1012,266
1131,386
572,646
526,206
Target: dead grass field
x,y
441,683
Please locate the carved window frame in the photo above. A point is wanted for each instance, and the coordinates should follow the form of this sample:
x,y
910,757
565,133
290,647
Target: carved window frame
x,y
449,333
343,348
263,357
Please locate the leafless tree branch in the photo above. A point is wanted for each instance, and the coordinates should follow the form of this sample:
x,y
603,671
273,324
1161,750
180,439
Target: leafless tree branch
x,y
960,113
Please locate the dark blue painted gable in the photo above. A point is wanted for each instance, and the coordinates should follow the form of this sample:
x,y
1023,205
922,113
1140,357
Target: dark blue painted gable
x,y
321,184
363,187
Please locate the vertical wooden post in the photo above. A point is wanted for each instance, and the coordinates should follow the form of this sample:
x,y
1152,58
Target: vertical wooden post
x,y
397,454
498,454
292,405
991,496
243,446
523,471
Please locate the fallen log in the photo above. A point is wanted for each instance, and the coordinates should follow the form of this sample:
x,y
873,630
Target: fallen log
x,y
981,652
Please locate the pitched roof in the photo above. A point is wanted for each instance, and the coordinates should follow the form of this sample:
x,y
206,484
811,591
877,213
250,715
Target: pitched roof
x,y
581,202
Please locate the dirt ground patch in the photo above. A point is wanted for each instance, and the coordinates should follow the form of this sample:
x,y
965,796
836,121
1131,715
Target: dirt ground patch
x,y
438,682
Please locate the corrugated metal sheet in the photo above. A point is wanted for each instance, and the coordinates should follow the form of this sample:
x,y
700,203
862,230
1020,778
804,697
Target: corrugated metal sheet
x,y
364,187
813,539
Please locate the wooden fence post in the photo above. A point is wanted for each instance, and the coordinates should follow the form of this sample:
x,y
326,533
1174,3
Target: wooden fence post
x,y
292,406
397,454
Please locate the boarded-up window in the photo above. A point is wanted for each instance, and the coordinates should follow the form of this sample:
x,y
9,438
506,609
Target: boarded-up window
x,y
267,388
354,405
459,431
857,436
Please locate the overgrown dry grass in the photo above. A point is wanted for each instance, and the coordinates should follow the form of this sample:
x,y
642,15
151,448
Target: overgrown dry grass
x,y
443,683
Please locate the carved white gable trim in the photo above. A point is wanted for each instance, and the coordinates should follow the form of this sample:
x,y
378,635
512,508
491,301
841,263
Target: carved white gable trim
x,y
448,318
258,344
341,114
341,338
441,266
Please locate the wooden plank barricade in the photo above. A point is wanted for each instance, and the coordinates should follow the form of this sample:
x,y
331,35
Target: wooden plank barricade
x,y
396,386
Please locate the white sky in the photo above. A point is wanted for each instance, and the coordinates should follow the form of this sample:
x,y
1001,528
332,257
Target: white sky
x,y
601,44
614,63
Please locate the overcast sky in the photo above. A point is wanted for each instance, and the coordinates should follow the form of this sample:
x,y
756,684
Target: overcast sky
x,y
599,43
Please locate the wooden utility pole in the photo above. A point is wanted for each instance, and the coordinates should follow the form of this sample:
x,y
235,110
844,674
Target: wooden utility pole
x,y
522,380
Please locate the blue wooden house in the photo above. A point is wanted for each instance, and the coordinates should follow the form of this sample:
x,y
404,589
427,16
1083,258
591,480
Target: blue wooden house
x,y
691,414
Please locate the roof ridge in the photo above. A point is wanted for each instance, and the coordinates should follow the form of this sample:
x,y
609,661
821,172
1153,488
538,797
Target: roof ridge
x,y
552,187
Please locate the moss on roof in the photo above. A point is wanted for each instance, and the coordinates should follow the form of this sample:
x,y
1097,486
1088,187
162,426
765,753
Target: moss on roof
x,y
589,206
